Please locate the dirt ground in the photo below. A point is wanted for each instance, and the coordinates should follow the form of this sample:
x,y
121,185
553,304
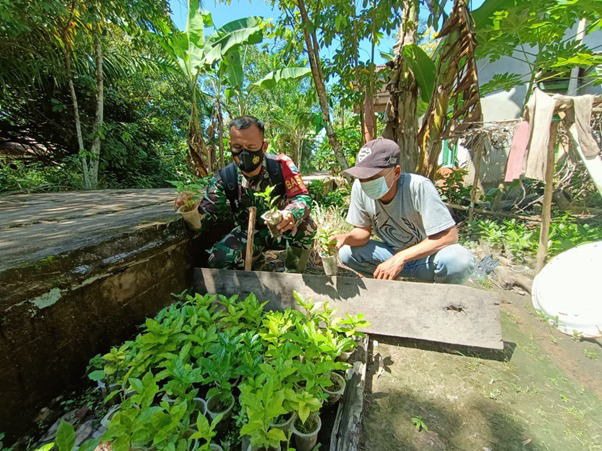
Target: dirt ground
x,y
543,392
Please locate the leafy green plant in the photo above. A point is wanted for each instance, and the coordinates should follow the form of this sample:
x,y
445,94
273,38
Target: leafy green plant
x,y
419,424
262,399
267,197
303,403
350,324
205,431
206,343
192,190
520,240
326,243
453,189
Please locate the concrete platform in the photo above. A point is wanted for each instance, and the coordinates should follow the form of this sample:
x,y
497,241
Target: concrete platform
x,y
78,272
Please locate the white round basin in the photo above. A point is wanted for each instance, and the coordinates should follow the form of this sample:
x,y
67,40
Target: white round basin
x,y
569,290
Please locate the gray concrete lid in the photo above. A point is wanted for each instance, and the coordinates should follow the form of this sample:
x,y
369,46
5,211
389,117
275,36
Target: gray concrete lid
x,y
37,226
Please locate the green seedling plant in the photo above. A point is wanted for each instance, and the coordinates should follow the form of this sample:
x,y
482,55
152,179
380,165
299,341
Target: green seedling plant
x,y
192,190
326,243
262,399
268,199
302,402
419,424
205,431
285,360
252,312
350,324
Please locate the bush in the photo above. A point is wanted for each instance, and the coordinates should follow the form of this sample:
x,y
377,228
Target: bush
x,y
325,197
520,240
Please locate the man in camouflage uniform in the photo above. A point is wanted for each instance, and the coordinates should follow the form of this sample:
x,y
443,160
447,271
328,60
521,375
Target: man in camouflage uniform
x,y
298,229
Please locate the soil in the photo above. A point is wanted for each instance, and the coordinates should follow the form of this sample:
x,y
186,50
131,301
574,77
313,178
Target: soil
x,y
542,392
336,384
309,426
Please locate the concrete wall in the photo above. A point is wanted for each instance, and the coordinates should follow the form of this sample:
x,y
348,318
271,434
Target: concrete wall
x,y
79,272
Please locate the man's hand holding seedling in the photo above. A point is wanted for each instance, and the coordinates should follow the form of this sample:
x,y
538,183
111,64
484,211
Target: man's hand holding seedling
x,y
187,198
287,222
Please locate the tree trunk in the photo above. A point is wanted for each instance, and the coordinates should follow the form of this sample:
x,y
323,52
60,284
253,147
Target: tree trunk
x,y
78,127
195,137
298,153
312,48
99,115
402,123
220,132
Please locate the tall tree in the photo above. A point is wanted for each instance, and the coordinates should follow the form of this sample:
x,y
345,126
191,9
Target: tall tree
x,y
304,20
402,121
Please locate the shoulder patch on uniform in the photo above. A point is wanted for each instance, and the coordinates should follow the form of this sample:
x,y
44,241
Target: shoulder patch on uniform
x,y
292,178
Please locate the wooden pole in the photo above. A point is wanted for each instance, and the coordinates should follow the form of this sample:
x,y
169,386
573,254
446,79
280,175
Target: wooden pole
x,y
250,237
477,169
546,214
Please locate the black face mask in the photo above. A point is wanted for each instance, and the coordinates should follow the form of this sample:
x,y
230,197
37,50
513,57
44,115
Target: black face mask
x,y
249,160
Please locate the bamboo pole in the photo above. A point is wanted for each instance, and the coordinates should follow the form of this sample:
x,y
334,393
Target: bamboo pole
x,y
546,213
475,184
250,237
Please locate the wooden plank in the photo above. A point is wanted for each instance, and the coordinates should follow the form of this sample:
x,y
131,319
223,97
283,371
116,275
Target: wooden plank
x,y
347,426
444,313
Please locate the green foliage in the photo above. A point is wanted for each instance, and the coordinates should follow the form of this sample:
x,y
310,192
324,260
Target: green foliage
x,y
351,140
535,33
19,177
326,198
423,68
326,242
453,189
419,424
267,198
194,190
270,80
65,436
520,240
206,343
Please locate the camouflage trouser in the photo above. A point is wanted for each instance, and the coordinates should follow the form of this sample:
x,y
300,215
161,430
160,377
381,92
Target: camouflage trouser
x,y
229,252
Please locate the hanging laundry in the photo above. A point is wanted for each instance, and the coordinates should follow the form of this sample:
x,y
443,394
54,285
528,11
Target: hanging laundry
x,y
582,116
539,113
515,167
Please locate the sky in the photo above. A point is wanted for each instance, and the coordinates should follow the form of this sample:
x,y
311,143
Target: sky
x,y
223,13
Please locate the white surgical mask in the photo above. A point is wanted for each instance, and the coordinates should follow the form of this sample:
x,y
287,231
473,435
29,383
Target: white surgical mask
x,y
377,188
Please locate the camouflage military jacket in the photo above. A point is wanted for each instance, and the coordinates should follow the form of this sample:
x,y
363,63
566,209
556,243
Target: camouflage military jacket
x,y
215,204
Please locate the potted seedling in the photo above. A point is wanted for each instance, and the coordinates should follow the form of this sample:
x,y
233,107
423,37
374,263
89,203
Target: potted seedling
x,y
205,431
273,216
262,400
307,421
220,400
189,210
328,251
336,390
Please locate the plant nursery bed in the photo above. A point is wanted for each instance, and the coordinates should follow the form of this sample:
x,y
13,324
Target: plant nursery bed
x,y
215,372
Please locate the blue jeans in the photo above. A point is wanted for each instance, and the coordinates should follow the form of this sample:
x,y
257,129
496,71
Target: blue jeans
x,y
452,264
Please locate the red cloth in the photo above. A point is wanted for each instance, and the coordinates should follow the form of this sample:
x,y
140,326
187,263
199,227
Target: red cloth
x,y
517,157
292,178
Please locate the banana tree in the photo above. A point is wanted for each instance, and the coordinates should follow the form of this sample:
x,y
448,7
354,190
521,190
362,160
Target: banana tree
x,y
456,86
196,56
